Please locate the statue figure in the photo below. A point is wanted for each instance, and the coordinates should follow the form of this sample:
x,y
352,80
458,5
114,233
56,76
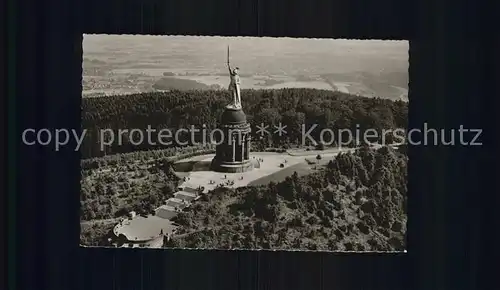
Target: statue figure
x,y
234,85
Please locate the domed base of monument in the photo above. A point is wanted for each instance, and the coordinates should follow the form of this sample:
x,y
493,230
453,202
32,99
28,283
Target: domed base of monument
x,y
231,167
232,153
233,115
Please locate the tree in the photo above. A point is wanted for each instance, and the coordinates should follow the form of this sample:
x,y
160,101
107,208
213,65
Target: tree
x,y
111,190
294,121
312,220
175,109
100,189
379,177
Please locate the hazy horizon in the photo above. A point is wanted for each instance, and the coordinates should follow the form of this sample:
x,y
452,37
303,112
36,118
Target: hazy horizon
x,y
256,56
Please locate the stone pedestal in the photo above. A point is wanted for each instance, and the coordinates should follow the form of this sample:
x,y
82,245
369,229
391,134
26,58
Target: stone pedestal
x,y
233,149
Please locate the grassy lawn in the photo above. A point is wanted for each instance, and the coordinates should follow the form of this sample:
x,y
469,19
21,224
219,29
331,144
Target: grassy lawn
x,y
300,168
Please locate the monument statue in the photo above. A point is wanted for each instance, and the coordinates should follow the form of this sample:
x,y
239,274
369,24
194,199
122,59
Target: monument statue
x,y
234,85
233,156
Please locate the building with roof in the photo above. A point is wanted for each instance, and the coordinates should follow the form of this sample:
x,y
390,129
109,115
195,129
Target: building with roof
x,y
149,231
186,196
142,231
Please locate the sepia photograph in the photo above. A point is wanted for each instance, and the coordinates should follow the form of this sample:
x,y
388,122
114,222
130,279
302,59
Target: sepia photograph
x,y
245,143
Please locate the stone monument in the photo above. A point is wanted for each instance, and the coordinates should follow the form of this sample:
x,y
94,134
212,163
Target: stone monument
x,y
233,150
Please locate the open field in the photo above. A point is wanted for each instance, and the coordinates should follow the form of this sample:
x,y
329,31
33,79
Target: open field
x,y
143,228
126,188
123,65
274,167
299,199
301,169
347,206
269,170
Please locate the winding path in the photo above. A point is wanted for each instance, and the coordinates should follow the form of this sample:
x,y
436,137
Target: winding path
x,y
102,221
270,167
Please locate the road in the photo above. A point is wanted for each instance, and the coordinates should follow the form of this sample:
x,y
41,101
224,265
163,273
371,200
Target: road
x,y
100,221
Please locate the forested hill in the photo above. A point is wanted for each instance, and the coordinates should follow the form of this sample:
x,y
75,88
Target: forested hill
x,y
181,109
357,203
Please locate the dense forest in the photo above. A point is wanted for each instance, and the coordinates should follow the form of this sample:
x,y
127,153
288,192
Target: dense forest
x,y
96,234
172,83
358,202
115,191
181,109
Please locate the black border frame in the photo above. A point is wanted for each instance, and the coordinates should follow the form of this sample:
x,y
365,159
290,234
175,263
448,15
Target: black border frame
x,y
448,66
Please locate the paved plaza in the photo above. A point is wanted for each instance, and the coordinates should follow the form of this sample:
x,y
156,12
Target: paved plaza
x,y
272,167
270,163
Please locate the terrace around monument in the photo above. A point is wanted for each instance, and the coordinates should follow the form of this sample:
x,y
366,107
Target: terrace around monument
x,y
233,165
197,178
256,188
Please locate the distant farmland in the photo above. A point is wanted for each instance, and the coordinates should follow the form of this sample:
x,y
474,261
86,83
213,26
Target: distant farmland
x,y
124,65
